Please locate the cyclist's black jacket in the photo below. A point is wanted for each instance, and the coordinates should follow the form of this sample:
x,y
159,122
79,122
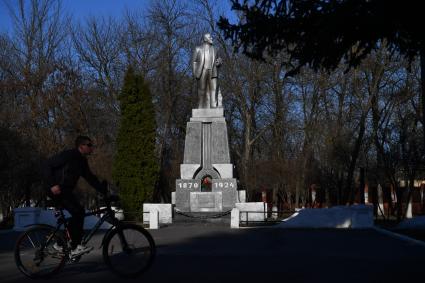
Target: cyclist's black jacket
x,y
65,168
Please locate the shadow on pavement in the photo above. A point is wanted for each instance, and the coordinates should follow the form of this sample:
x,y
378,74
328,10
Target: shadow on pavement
x,y
214,253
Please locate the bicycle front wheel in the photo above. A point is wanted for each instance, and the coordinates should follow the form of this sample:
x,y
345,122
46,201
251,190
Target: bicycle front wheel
x,y
35,256
129,250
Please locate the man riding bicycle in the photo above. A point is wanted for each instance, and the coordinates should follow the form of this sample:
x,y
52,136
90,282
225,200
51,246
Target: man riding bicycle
x,y
61,173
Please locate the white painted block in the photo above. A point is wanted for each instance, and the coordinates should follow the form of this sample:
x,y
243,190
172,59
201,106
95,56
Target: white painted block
x,y
253,211
153,219
409,213
173,197
164,209
275,213
234,218
242,196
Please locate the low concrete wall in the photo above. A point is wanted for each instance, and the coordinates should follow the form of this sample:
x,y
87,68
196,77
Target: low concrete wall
x,y
27,216
356,216
255,211
417,222
362,216
153,219
164,209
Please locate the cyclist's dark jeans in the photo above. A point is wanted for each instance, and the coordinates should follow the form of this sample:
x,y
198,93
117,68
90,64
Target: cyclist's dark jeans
x,y
76,223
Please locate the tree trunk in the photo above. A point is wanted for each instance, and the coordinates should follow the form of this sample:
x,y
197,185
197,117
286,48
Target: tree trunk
x,y
289,200
422,55
380,194
27,196
246,155
274,194
349,192
245,159
422,199
161,188
408,209
362,186
297,193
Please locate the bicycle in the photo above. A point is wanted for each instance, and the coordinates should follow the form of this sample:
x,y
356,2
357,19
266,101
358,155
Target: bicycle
x,y
128,249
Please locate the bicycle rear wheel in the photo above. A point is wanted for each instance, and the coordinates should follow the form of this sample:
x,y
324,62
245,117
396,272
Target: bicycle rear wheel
x,y
129,250
35,256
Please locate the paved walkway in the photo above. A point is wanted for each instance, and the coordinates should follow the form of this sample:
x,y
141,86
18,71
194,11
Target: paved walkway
x,y
215,253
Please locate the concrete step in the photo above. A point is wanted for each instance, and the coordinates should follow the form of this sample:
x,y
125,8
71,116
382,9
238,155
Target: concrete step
x,y
202,217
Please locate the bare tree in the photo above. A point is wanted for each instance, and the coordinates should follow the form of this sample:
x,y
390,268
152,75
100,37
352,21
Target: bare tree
x,y
98,44
35,51
171,34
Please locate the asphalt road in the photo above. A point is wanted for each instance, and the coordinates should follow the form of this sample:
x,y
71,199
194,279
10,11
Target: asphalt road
x,y
216,253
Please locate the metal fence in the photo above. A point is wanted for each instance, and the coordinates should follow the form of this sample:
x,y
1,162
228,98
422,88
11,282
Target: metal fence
x,y
263,218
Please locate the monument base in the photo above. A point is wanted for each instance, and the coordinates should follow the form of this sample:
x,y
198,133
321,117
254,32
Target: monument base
x,y
222,196
207,184
206,202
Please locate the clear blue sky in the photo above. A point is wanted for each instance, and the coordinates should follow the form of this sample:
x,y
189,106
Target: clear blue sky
x,y
79,8
84,8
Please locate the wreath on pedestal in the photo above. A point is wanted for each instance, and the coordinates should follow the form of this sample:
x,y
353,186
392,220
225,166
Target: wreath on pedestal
x,y
206,184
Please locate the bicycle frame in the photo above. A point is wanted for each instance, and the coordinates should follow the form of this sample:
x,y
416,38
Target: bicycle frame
x,y
108,214
113,221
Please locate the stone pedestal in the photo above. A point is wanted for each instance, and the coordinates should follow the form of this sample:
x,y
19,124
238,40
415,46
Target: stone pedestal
x,y
207,183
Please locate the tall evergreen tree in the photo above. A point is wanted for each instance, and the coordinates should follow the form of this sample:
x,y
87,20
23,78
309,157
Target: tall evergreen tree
x,y
135,168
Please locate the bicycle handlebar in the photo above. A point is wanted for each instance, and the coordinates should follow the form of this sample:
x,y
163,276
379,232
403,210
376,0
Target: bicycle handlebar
x,y
110,198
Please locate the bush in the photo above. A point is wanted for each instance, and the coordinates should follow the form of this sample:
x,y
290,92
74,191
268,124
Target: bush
x,y
135,169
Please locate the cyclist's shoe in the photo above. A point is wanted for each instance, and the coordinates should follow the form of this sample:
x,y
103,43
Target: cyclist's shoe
x,y
57,248
80,250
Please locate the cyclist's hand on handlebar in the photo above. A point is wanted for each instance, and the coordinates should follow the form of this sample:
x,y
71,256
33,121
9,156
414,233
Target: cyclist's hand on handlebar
x,y
56,190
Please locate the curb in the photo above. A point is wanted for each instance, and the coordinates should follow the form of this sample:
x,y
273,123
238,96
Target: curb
x,y
5,231
399,236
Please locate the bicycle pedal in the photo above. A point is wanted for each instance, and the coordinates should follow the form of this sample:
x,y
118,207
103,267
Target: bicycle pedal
x,y
72,258
58,255
80,253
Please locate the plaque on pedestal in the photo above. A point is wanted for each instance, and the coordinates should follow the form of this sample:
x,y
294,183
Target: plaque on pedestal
x,y
206,202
